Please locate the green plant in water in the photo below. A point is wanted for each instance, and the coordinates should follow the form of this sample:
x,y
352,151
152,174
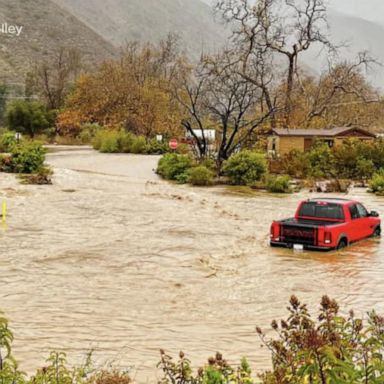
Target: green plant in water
x,y
376,185
245,168
278,184
200,175
172,166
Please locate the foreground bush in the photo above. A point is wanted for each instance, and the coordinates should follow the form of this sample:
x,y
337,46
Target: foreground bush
x,y
173,166
245,168
376,185
216,371
278,184
7,141
107,377
200,175
326,349
26,157
333,349
56,369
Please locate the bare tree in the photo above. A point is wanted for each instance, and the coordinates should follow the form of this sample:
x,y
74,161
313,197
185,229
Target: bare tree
x,y
338,88
53,77
216,96
278,28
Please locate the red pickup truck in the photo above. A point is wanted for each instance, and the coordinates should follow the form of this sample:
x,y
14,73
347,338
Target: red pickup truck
x,y
325,224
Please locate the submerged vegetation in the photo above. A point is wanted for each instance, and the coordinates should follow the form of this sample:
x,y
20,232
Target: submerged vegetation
x,y
24,158
327,349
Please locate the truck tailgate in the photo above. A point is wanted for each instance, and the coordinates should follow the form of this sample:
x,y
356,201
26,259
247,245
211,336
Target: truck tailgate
x,y
293,232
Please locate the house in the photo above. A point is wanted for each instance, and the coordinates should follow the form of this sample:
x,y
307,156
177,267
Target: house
x,y
281,141
209,134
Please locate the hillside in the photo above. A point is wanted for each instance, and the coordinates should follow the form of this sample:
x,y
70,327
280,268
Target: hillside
x,y
46,27
98,27
360,35
119,21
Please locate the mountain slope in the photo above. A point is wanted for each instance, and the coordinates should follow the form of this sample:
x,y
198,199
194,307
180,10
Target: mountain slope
x,y
359,35
119,21
46,27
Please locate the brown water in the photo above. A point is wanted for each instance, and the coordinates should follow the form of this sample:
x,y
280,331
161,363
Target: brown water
x,y
112,258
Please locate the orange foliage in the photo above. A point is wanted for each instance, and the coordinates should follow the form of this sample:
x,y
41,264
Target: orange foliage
x,y
131,93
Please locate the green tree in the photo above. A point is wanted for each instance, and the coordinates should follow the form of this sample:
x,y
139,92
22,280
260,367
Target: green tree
x,y
28,117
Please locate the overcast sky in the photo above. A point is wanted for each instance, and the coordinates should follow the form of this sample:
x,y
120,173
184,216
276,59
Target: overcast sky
x,y
368,9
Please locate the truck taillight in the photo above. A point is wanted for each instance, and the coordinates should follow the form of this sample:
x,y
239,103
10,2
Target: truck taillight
x,y
275,232
327,237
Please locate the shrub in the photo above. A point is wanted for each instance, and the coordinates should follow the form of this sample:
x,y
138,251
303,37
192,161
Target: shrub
x,y
172,165
125,141
109,145
209,163
97,140
296,164
322,160
377,153
216,371
182,178
245,167
155,147
200,175
114,141
376,185
106,377
183,149
333,349
7,141
109,142
139,145
278,184
354,159
364,169
25,158
88,132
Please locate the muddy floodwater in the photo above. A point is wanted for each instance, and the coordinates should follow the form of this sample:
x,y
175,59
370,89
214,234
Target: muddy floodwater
x,y
113,259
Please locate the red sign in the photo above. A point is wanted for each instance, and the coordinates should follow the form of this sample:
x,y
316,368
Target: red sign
x,y
173,143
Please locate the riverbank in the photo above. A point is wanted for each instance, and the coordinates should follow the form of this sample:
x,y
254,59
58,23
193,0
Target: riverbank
x,y
113,258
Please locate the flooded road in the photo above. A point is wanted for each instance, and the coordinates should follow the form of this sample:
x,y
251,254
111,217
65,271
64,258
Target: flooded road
x,y
113,259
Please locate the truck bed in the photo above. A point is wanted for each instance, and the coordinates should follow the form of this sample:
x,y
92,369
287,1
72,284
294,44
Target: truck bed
x,y
311,223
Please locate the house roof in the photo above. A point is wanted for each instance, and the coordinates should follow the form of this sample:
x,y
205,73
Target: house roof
x,y
327,132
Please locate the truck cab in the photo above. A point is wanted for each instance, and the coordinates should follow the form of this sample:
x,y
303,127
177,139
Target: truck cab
x,y
326,224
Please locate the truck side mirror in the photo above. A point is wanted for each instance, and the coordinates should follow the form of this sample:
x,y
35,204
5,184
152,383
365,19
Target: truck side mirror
x,y
374,214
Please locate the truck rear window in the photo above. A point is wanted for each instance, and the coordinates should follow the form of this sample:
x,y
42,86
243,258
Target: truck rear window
x,y
322,210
